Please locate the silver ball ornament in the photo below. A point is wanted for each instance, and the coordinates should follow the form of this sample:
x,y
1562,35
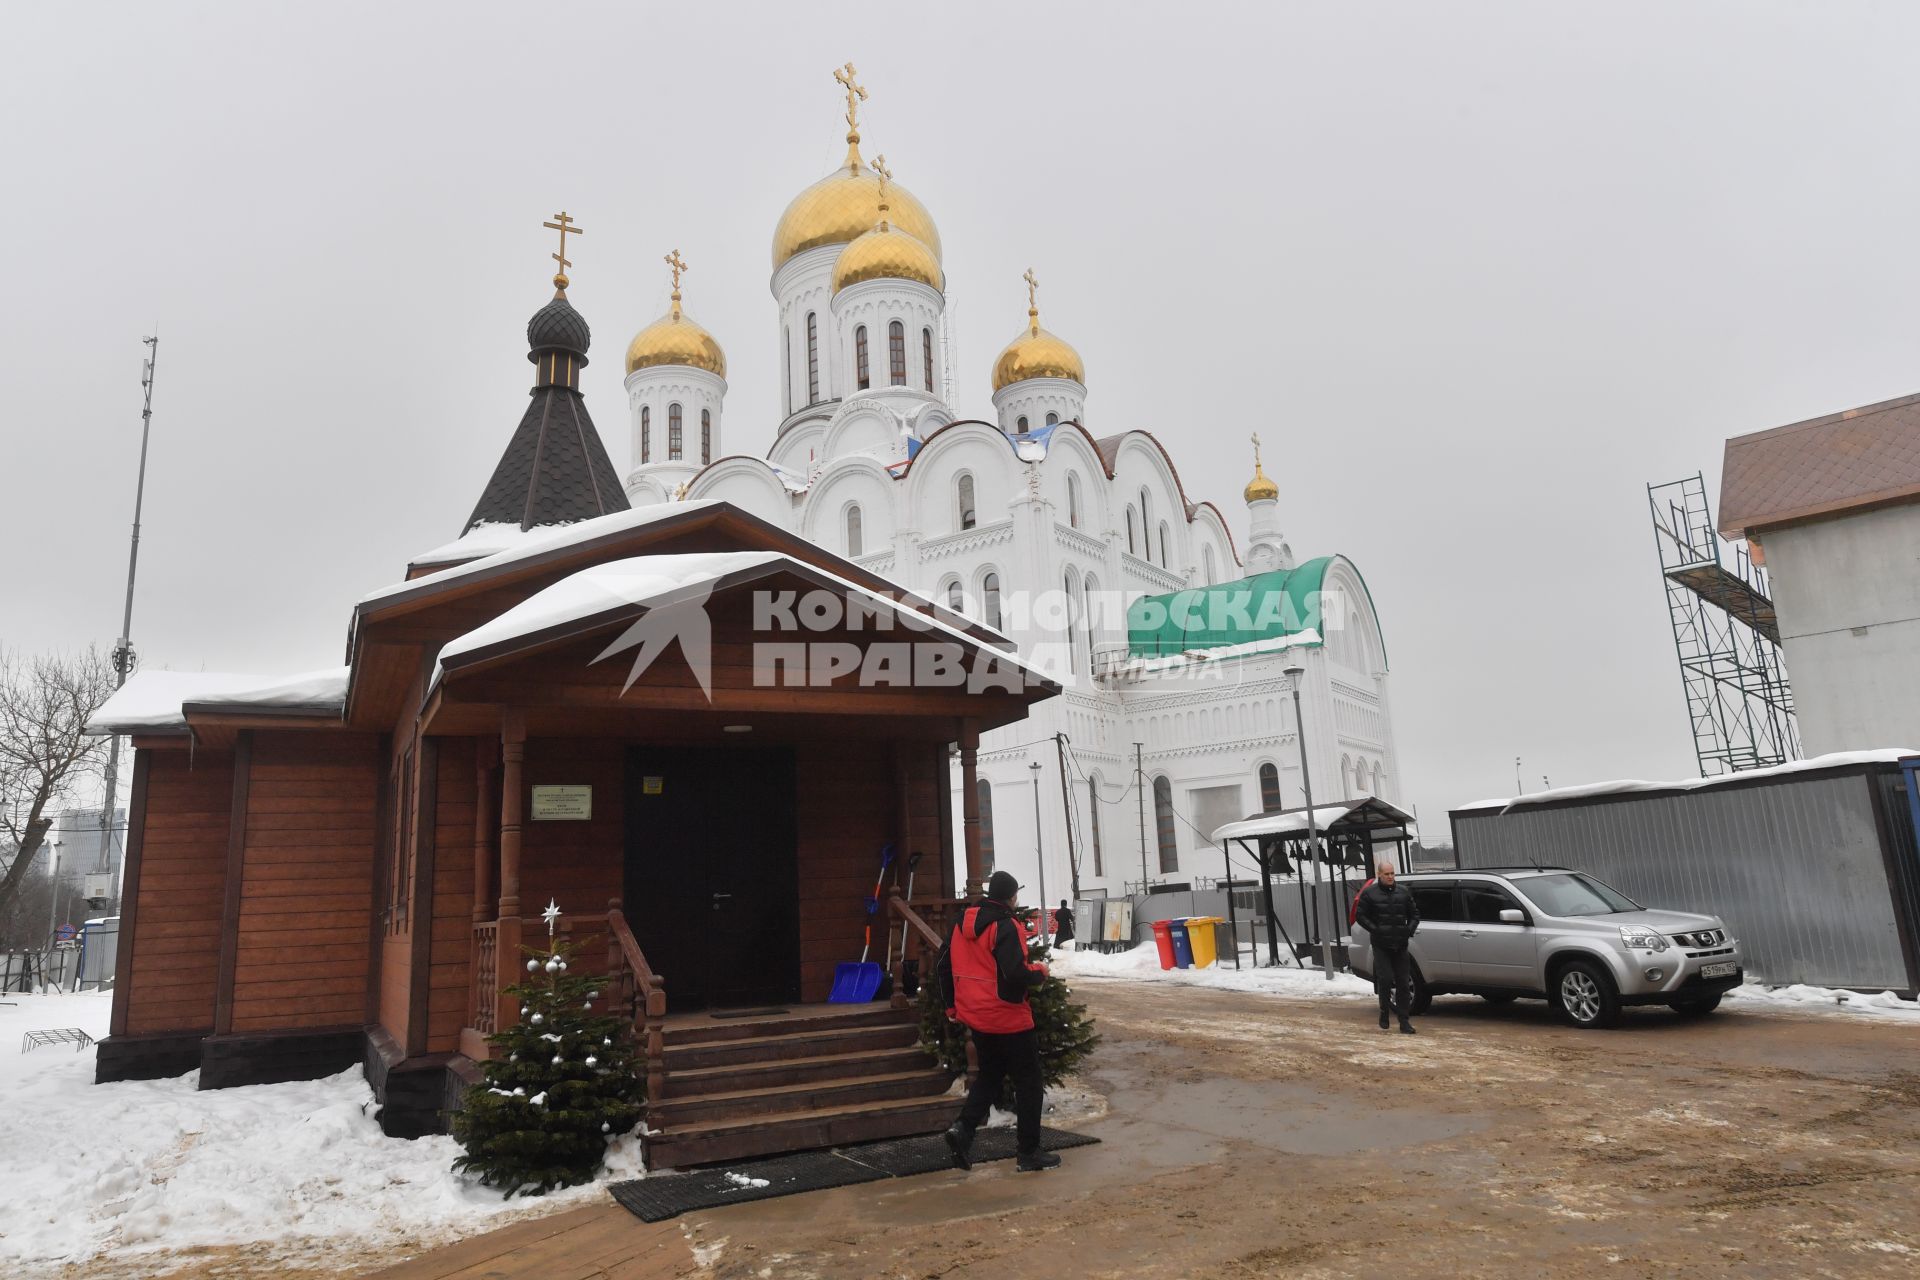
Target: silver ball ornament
x,y
532,965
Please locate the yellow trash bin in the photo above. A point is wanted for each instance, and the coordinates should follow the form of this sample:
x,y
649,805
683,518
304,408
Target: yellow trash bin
x,y
1200,936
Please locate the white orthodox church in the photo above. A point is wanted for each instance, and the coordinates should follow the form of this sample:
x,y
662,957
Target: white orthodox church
x,y
1172,638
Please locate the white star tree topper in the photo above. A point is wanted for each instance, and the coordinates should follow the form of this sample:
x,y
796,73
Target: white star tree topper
x,y
551,915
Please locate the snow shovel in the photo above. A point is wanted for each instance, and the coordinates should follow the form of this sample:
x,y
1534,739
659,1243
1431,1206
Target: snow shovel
x,y
858,983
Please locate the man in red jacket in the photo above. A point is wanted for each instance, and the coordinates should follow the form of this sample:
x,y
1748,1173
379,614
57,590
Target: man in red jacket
x,y
991,978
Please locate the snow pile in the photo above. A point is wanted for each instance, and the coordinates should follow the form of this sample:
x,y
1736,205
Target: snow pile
x,y
153,1166
1623,786
154,699
1142,964
1878,1004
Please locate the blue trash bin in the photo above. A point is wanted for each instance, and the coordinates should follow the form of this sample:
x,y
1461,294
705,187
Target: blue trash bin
x,y
1182,944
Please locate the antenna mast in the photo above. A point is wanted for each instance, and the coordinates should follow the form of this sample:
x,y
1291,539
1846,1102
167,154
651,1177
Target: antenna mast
x,y
123,656
946,355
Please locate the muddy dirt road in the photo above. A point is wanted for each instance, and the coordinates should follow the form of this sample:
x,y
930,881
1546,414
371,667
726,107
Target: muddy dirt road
x,y
1262,1136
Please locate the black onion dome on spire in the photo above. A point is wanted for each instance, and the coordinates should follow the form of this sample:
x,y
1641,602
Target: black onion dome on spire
x,y
557,326
555,469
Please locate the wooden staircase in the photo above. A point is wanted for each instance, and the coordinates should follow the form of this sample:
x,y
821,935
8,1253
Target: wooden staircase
x,y
817,1076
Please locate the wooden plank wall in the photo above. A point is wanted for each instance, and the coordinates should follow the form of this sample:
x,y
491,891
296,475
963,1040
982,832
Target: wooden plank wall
x,y
307,884
448,993
394,992
176,954
579,865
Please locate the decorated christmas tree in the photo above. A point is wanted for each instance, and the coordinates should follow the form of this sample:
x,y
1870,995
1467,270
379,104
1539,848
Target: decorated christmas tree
x,y
1062,1027
560,1086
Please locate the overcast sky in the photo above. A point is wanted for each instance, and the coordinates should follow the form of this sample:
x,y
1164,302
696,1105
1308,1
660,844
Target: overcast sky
x,y
1476,272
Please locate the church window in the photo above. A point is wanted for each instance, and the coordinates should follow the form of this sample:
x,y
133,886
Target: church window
x,y
1073,500
646,433
1206,562
1073,631
1163,824
926,356
1146,522
1269,789
1346,776
1165,559
673,433
1379,778
967,516
956,598
1053,419
897,354
813,358
706,436
1131,548
1089,603
860,357
990,599
1020,424
854,542
786,362
1093,823
984,789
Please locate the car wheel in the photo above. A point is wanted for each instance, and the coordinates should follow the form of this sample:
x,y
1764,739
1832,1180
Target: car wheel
x,y
1499,997
1585,995
1697,1008
1422,993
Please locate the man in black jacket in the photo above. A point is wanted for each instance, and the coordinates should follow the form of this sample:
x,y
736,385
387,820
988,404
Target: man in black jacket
x,y
1389,915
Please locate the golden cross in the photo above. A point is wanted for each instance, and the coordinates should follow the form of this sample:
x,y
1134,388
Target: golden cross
x,y
1256,452
1033,286
856,94
676,265
879,166
564,226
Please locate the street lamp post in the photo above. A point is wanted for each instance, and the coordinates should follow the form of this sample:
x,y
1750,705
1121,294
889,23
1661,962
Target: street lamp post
x,y
1298,673
1039,855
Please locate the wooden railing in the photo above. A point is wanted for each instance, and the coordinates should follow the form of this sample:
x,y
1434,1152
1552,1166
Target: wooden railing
x,y
486,977
642,993
922,938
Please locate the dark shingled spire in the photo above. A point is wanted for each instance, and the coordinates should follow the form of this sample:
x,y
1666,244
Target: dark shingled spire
x,y
555,469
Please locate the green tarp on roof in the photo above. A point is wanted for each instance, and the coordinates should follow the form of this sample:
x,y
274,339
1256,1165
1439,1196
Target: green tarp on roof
x,y
1267,606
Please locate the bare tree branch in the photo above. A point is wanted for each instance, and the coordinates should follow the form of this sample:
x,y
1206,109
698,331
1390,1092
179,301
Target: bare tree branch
x,y
45,703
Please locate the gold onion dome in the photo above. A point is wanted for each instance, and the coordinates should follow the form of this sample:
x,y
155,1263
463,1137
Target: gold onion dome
x,y
1037,353
1261,488
675,340
885,252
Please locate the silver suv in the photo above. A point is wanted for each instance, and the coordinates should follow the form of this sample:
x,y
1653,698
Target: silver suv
x,y
1561,935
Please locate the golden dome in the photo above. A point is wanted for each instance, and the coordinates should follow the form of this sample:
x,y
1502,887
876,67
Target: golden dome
x,y
1037,354
1261,487
838,209
674,339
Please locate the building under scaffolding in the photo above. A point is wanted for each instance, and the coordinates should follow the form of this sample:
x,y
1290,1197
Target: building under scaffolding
x,y
1726,635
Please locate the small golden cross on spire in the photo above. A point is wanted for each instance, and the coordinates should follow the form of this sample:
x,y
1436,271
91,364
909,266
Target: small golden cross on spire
x,y
1256,453
856,94
879,166
1033,303
676,264
565,227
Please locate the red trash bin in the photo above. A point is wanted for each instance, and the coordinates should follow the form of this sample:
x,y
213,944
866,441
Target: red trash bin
x,y
1163,940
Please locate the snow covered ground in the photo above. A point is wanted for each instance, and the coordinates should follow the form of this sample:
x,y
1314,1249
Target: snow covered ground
x,y
145,1168
1142,964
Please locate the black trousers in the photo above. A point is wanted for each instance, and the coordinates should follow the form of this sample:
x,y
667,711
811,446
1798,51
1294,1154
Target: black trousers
x,y
1393,972
1003,1057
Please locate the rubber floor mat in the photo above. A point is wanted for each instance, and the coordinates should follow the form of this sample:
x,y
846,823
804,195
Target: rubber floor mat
x,y
668,1195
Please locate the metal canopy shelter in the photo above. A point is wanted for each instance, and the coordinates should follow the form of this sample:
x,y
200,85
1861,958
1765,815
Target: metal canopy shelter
x,y
1351,833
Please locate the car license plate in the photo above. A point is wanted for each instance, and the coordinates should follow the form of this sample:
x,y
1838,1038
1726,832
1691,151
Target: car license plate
x,y
1718,970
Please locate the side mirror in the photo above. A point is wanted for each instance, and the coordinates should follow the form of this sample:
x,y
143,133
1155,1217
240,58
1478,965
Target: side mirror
x,y
1512,915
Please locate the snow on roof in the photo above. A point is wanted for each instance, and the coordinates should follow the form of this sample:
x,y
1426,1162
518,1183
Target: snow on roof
x,y
1626,786
485,539
1277,824
155,699
643,580
541,539
1252,648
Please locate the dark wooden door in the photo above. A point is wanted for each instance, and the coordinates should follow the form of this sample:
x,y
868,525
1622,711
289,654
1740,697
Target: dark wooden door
x,y
711,878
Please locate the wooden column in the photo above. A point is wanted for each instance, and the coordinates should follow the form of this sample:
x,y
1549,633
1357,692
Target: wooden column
x,y
513,754
230,910
486,754
970,807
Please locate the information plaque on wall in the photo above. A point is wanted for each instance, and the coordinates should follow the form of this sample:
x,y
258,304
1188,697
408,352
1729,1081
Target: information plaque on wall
x,y
562,804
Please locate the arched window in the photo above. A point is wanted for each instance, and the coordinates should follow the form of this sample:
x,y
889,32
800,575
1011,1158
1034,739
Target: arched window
x,y
1379,777
965,493
956,598
813,358
673,433
1053,419
1131,548
990,599
860,358
926,356
1089,602
1146,522
985,791
854,542
1166,561
1020,424
1093,823
646,433
897,353
1346,777
706,436
1073,500
1206,564
1068,585
1269,789
786,362
1163,825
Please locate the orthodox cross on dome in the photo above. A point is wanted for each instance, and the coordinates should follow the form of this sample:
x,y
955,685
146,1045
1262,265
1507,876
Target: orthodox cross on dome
x,y
1256,453
676,264
1033,303
879,166
565,227
856,94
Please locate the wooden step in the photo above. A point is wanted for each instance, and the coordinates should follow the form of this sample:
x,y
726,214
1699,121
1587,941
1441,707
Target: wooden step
x,y
680,1146
853,1015
743,1076
719,1108
805,1044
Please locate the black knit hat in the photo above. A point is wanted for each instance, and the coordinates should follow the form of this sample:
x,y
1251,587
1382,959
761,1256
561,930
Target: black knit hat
x,y
1001,887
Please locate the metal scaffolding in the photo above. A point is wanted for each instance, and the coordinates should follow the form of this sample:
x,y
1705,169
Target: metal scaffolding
x,y
1726,635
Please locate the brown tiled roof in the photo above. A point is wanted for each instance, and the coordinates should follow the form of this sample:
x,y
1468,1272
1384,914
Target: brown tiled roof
x,y
1862,457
